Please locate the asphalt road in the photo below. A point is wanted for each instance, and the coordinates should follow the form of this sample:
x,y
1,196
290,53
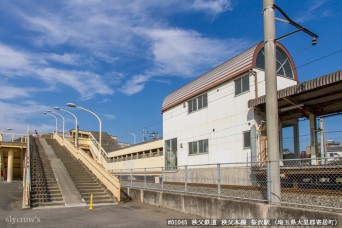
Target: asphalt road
x,y
129,214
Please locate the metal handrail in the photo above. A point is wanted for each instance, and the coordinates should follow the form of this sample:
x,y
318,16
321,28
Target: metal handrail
x,y
27,176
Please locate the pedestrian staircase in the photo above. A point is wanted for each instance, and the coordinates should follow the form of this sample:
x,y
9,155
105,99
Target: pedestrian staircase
x,y
85,181
44,187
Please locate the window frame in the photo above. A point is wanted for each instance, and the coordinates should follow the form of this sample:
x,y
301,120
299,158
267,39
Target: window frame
x,y
241,85
198,103
204,149
244,142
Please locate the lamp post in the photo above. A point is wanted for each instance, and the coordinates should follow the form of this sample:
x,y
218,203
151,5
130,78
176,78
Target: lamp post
x,y
48,113
5,129
134,137
76,126
63,122
72,105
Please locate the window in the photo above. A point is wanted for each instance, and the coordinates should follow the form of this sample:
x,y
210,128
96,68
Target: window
x,y
198,103
199,147
241,85
284,67
246,139
170,153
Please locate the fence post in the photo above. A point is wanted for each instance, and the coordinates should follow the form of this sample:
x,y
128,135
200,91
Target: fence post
x,y
218,179
131,178
162,179
268,181
186,179
145,178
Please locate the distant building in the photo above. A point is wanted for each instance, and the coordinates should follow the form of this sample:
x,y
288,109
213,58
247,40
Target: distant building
x,y
334,148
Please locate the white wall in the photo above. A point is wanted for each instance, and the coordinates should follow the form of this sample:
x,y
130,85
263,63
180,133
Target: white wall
x,y
222,122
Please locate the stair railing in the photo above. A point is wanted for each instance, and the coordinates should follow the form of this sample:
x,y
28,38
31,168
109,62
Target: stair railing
x,y
27,175
97,145
106,178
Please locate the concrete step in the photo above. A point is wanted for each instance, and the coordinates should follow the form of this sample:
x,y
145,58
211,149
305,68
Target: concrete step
x,y
50,203
100,201
45,191
47,199
47,196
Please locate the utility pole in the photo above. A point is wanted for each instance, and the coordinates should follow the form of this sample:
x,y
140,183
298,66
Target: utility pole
x,y
143,135
323,140
271,101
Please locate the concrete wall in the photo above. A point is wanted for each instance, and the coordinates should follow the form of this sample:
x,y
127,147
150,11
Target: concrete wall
x,y
229,175
216,208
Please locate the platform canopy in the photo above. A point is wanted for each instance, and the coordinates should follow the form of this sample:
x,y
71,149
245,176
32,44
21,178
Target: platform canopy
x,y
320,96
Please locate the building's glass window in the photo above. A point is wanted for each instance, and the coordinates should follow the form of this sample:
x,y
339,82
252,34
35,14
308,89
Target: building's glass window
x,y
199,147
246,139
284,67
241,84
171,153
198,103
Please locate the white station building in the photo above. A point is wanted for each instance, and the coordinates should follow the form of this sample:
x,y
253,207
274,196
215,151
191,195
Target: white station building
x,y
208,120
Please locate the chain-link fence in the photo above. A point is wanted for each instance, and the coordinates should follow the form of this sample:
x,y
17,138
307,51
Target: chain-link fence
x,y
306,182
316,182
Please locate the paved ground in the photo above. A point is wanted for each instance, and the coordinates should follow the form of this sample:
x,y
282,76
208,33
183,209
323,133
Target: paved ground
x,y
125,215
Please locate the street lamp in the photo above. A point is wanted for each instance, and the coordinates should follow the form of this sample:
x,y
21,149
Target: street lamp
x,y
6,129
72,105
76,126
63,123
134,137
54,117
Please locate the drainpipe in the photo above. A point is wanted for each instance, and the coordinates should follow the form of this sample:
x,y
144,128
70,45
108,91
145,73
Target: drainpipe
x,y
254,73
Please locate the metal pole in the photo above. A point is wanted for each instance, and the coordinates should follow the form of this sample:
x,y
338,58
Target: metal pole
x,y
134,137
131,178
145,178
162,179
218,180
63,122
100,133
323,142
56,129
271,99
76,124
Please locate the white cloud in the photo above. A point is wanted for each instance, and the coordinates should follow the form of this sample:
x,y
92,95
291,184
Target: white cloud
x,y
107,33
184,53
11,92
18,116
12,59
109,116
66,58
314,12
135,85
213,7
88,84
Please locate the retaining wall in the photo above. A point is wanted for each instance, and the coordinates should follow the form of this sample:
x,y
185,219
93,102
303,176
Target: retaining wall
x,y
218,208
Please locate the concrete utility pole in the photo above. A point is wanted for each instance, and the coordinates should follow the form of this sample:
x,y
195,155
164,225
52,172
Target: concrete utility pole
x,y
271,100
323,141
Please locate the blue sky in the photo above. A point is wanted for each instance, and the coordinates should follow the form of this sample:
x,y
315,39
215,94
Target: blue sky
x,y
120,58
